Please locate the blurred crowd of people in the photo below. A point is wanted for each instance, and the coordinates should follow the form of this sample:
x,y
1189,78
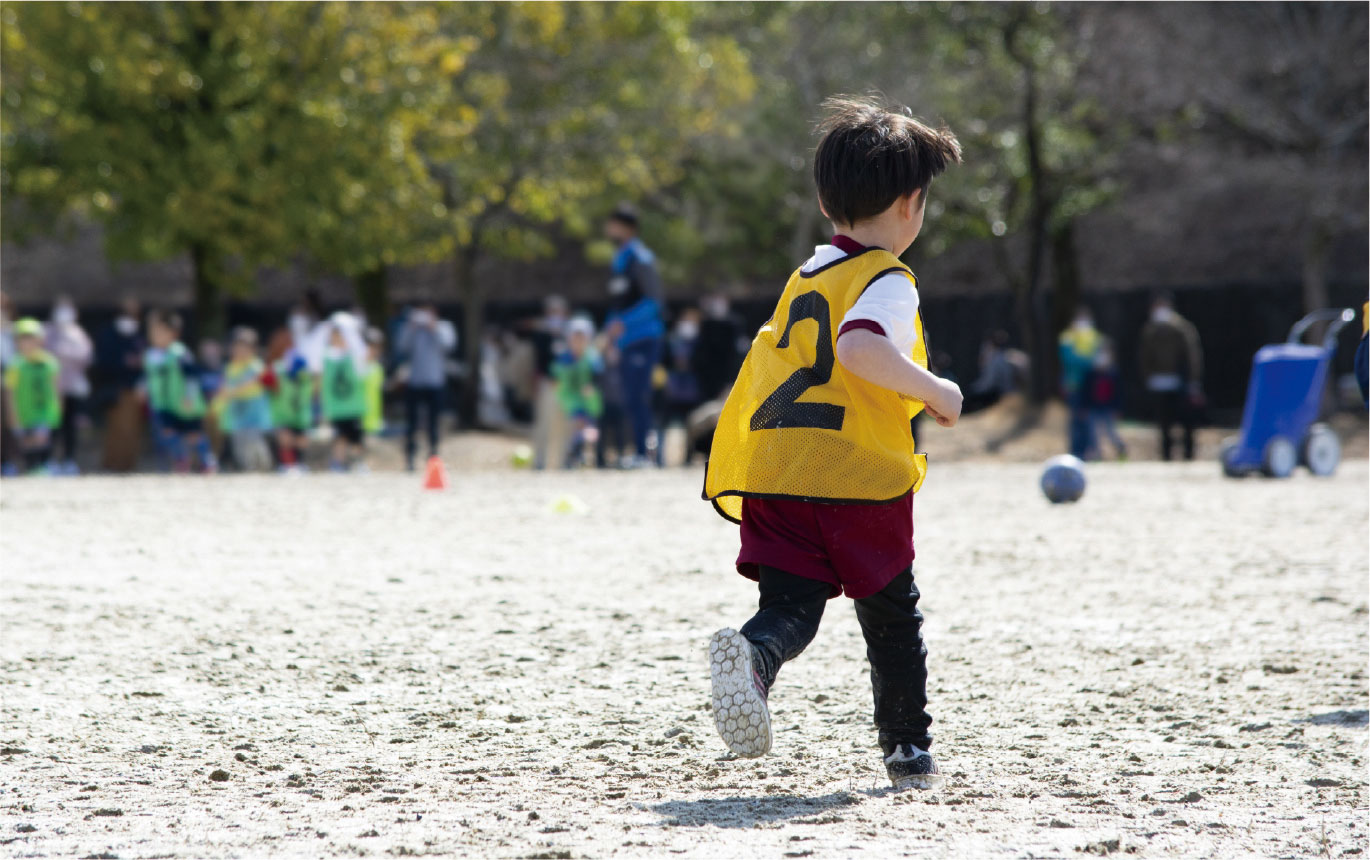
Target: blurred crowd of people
x,y
1172,370
601,395
240,403
589,402
594,395
258,401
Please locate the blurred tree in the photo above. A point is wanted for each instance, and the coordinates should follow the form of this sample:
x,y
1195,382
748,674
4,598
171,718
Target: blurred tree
x,y
559,110
1301,97
367,201
1039,153
747,210
239,133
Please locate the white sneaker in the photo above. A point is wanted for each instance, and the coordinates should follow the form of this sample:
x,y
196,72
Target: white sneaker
x,y
741,714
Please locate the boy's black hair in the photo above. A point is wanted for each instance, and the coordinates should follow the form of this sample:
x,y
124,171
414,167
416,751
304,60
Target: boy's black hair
x,y
871,155
170,319
624,213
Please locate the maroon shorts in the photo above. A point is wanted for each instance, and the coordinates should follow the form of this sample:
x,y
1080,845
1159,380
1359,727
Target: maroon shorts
x,y
857,549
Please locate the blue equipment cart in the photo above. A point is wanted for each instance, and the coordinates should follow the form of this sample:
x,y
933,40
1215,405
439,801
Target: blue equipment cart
x,y
1283,401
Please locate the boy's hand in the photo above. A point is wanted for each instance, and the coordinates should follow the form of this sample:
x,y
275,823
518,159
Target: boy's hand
x,y
945,407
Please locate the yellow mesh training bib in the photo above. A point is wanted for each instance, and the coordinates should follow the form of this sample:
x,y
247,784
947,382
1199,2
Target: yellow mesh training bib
x,y
797,425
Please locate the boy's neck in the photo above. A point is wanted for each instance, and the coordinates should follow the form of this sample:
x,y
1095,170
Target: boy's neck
x,y
872,234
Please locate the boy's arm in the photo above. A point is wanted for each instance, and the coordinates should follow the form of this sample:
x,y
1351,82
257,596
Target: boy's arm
x,y
876,359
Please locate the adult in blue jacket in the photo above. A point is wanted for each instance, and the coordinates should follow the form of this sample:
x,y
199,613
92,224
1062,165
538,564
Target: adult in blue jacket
x,y
635,322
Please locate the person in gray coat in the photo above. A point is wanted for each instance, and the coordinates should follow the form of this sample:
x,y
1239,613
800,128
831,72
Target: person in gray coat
x,y
424,342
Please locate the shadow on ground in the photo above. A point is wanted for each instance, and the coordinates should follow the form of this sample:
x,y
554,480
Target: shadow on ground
x,y
1339,718
749,811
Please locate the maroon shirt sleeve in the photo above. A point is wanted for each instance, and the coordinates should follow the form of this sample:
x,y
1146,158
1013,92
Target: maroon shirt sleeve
x,y
864,325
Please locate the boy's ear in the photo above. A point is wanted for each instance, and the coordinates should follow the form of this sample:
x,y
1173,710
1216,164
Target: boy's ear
x,y
823,210
912,204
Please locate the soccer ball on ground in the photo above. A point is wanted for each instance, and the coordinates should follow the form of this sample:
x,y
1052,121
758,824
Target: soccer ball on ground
x,y
1063,479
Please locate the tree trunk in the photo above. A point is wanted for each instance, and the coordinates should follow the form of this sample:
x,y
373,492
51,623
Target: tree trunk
x,y
1066,265
1024,304
209,321
473,300
1039,348
373,295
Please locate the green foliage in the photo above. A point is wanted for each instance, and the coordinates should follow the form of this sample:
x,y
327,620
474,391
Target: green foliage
x,y
565,107
251,131
994,55
365,135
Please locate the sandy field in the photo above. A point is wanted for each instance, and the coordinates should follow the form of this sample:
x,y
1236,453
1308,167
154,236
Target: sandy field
x,y
348,666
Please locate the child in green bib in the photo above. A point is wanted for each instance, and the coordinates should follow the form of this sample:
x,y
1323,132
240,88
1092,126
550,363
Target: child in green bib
x,y
292,389
35,402
342,395
576,371
174,396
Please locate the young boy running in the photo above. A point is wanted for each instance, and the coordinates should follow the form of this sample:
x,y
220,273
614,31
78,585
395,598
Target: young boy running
x,y
813,454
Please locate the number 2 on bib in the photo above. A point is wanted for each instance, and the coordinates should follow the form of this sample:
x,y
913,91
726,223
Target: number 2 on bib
x,y
781,409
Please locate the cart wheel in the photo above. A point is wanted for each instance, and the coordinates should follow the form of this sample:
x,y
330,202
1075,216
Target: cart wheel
x,y
1321,450
1226,454
1280,458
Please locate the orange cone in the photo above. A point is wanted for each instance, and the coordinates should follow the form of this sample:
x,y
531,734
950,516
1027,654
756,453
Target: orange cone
x,y
435,476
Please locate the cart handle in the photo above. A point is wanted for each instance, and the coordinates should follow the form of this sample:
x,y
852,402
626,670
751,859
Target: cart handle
x,y
1336,317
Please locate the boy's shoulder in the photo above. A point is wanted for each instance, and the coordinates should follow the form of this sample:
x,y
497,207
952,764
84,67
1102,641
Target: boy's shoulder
x,y
854,274
851,264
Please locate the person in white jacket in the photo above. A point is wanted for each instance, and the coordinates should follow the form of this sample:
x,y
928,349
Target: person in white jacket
x,y
71,346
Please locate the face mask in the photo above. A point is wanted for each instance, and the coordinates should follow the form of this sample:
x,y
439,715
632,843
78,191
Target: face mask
x,y
687,329
64,315
1161,315
126,326
1082,324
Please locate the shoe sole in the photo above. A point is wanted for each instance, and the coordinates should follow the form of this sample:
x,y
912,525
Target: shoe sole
x,y
925,782
740,711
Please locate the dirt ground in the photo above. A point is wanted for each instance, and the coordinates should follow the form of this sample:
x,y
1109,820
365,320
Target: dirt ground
x,y
348,666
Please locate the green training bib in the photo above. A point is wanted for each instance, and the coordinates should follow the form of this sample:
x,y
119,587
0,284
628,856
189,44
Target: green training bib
x,y
342,393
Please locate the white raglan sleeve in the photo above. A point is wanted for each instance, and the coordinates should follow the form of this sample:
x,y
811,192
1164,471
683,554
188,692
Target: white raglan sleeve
x,y
891,303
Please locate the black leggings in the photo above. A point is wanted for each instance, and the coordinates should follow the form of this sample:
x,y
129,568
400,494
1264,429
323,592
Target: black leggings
x,y
72,409
431,399
789,611
1173,407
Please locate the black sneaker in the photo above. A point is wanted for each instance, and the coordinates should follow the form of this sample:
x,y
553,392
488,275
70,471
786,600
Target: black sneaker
x,y
739,697
911,767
